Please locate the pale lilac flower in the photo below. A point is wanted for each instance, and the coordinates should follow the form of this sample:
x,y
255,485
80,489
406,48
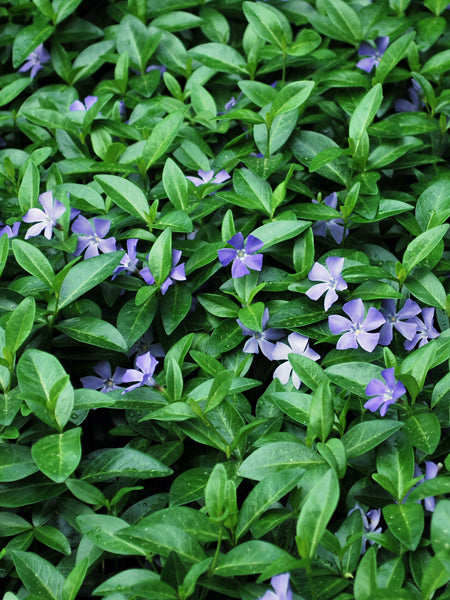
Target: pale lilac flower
x,y
425,329
45,219
331,275
259,339
396,319
431,471
176,273
145,344
280,583
299,344
243,256
106,382
357,328
35,61
230,104
384,394
83,106
91,238
370,521
208,177
8,230
334,226
129,260
414,104
146,364
374,54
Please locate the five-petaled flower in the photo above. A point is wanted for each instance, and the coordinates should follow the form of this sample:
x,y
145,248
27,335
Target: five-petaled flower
x,y
299,344
373,54
357,329
332,279
35,61
91,237
107,381
334,226
45,219
145,344
280,584
259,339
425,329
243,255
146,364
8,230
208,177
83,106
396,319
177,272
129,260
384,394
414,104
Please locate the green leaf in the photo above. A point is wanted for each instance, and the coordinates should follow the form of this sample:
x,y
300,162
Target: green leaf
x,y
161,137
315,513
249,558
278,456
437,64
75,579
405,522
33,261
219,389
126,581
13,89
123,462
19,325
85,275
366,577
53,538
393,55
215,492
364,114
375,290
220,57
321,412
364,436
395,462
263,495
24,493
293,96
127,195
421,246
133,321
11,524
95,332
276,232
353,376
38,575
248,185
423,431
175,306
101,530
86,492
175,185
308,370
28,39
4,250
52,120
189,486
426,287
160,257
256,91
345,19
440,526
307,144
251,316
225,337
265,22
432,208
64,8
57,456
15,462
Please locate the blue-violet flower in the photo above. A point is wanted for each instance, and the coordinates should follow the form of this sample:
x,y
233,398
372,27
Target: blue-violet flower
x,y
396,319
146,364
374,54
45,219
107,381
35,61
332,279
91,238
259,339
384,394
334,226
83,106
357,328
243,256
208,177
425,329
176,273
299,344
280,583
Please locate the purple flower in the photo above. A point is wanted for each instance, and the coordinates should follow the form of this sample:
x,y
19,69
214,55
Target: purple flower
x,y
374,54
107,381
431,471
370,523
334,226
84,106
414,104
208,177
280,584
145,344
8,230
129,260
332,280
243,256
425,329
35,61
161,68
258,340
146,364
357,329
394,319
176,273
91,238
384,394
299,344
45,219
230,104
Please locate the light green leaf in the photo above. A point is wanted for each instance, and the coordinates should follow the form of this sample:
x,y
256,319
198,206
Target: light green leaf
x,y
57,456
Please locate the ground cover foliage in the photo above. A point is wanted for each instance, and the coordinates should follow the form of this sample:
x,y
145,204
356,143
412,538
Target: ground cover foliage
x,y
223,307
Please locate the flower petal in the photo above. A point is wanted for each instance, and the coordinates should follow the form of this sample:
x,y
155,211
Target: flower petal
x,y
253,244
226,255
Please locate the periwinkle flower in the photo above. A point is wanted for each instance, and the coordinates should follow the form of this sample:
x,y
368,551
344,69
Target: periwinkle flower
x,y
384,394
45,219
129,260
373,54
334,226
243,255
146,364
396,320
298,344
370,521
425,329
357,329
230,104
145,344
107,381
161,68
8,230
280,583
35,61
83,106
414,104
91,237
208,177
332,279
259,339
177,272
431,471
